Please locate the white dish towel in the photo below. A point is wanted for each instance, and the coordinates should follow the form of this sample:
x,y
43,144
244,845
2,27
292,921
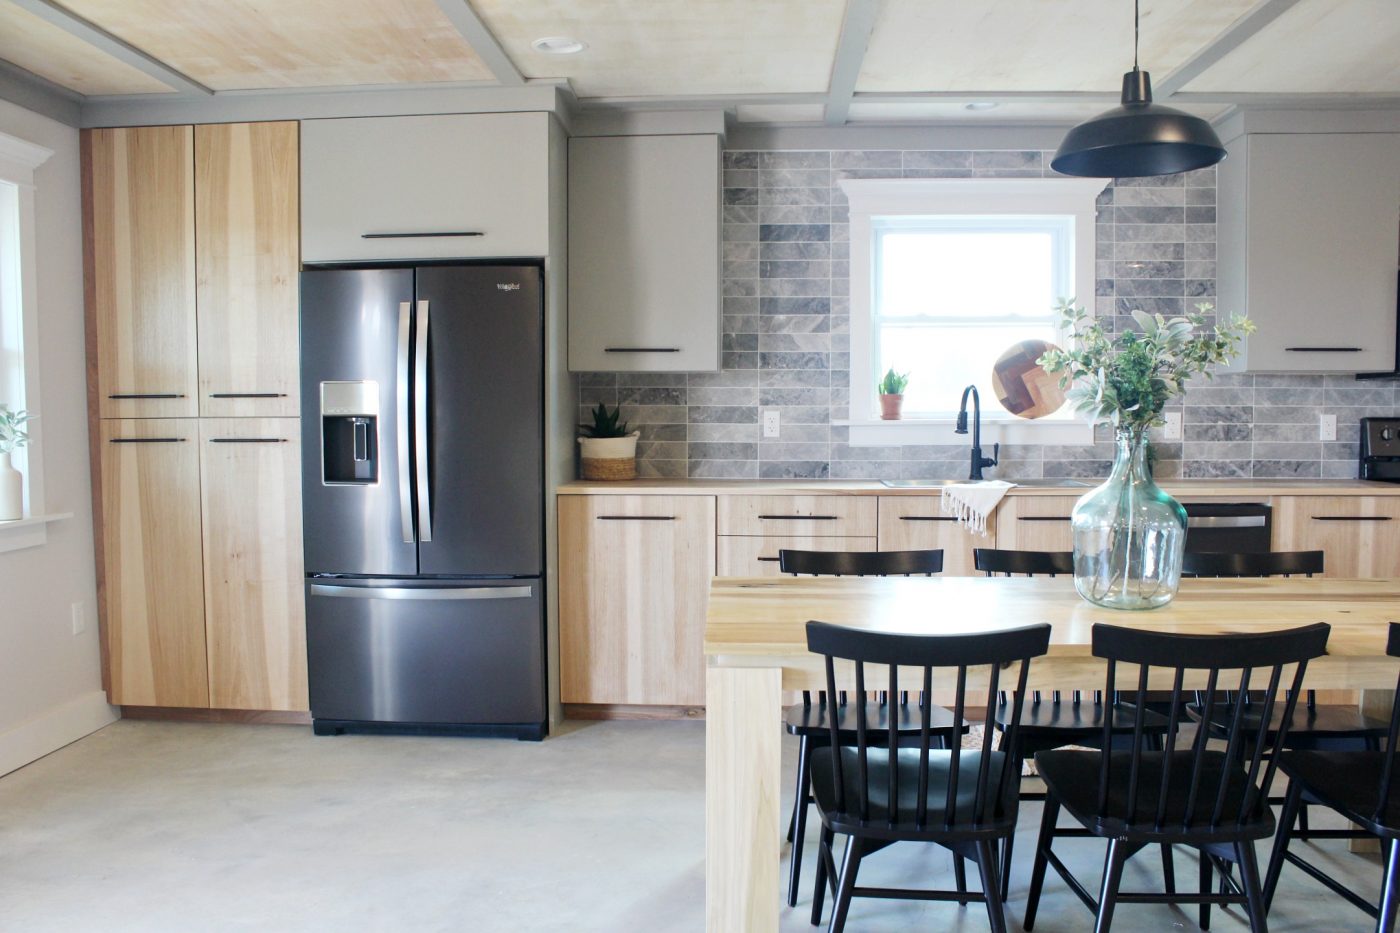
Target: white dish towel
x,y
973,503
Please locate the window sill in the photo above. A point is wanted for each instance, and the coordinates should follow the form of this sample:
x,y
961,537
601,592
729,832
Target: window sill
x,y
28,532
940,431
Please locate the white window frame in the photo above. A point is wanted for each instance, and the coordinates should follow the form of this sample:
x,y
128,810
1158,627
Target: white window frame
x,y
19,159
873,201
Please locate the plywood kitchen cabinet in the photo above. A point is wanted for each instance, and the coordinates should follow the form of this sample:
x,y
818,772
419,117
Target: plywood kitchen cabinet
x,y
153,579
634,577
425,187
807,516
1307,247
254,610
917,523
644,254
139,239
247,266
1035,523
750,556
1359,535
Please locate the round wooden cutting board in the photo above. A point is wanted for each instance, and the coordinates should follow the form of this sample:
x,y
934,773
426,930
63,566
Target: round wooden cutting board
x,y
1023,387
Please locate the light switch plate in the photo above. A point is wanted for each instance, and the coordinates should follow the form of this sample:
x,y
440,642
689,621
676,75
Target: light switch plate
x,y
1327,428
79,618
1171,430
771,426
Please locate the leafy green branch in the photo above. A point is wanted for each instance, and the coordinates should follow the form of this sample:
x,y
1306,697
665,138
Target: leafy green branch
x,y
12,433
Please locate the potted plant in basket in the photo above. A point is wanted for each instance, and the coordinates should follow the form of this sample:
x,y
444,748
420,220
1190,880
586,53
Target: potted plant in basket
x,y
1129,535
12,438
891,389
608,448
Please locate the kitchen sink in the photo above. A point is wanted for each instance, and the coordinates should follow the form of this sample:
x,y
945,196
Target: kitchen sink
x,y
939,483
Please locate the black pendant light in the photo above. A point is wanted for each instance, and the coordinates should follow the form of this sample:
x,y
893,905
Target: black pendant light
x,y
1138,137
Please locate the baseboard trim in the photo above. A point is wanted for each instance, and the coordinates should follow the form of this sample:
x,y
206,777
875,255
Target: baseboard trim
x,y
63,725
182,714
630,711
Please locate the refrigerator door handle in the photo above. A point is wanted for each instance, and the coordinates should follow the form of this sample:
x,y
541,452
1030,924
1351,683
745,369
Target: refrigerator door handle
x,y
420,425
414,592
401,394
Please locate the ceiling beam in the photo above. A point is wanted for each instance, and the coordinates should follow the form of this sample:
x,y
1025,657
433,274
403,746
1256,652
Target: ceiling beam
x,y
482,41
39,94
104,41
1243,29
856,28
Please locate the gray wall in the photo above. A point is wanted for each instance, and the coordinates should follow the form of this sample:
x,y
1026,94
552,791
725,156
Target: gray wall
x,y
787,327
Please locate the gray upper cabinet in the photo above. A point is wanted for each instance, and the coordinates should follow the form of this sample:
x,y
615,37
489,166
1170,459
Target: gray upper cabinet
x,y
1308,247
644,254
411,187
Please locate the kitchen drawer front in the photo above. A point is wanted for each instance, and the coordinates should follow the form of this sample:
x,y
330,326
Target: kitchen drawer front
x,y
917,523
749,556
806,516
1359,536
1035,523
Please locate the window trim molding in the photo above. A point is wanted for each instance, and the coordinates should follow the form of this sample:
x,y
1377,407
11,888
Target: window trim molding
x,y
873,197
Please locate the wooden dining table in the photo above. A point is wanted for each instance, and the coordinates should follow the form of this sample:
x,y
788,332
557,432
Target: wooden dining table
x,y
756,647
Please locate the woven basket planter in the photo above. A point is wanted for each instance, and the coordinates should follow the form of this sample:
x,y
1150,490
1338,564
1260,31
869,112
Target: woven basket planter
x,y
609,458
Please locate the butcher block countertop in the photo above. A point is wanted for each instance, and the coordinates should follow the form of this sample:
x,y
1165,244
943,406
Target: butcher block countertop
x,y
1224,488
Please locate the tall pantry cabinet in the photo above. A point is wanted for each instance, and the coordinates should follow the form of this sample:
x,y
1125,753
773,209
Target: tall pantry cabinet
x,y
191,241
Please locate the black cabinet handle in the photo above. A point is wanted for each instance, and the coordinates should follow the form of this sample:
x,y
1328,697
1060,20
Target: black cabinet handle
x,y
1351,518
247,440
1323,349
636,518
409,234
146,440
799,518
1042,518
641,349
247,394
133,395
770,560
927,518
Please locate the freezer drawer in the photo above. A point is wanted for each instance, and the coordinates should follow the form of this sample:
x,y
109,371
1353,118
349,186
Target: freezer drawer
x,y
426,652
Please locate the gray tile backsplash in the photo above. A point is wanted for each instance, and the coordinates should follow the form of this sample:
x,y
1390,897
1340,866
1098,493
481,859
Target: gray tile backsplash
x,y
787,339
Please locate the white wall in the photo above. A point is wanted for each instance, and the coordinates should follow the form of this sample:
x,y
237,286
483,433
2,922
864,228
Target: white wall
x,y
50,679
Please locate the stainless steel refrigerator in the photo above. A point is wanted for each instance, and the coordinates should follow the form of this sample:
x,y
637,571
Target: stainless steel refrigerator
x,y
423,498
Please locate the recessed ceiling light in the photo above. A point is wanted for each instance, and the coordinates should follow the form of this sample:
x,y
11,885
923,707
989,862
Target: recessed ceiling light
x,y
558,45
981,105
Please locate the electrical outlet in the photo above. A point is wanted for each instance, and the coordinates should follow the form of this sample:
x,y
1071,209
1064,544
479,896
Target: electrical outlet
x,y
1327,428
79,619
1171,431
770,422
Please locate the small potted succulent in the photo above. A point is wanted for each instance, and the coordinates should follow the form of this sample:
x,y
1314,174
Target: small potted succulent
x,y
608,447
12,438
891,389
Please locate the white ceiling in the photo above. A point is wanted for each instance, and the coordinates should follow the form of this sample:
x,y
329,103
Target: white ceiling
x,y
768,61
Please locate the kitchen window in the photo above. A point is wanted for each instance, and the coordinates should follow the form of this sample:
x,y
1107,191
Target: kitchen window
x,y
946,274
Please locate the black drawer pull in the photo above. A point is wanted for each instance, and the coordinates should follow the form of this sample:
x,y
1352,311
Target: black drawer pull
x,y
409,234
1042,518
770,560
799,518
1323,349
927,518
247,394
247,440
636,518
1351,518
135,395
641,349
147,440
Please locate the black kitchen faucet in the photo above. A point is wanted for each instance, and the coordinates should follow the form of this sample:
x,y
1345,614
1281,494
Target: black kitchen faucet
x,y
978,461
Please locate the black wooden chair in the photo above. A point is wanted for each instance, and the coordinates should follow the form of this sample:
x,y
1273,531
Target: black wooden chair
x,y
1360,785
876,795
1210,799
1334,727
811,722
1055,724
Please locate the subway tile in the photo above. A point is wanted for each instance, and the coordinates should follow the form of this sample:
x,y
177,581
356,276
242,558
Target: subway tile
x,y
1287,469
818,343
791,378
662,469
795,269
792,397
793,469
1215,469
740,178
740,158
937,159
793,323
1147,197
798,159
801,361
866,158
793,197
794,214
794,178
724,397
1148,214
651,396
795,288
787,251
791,306
725,433
724,469
722,414
705,450
740,214
782,449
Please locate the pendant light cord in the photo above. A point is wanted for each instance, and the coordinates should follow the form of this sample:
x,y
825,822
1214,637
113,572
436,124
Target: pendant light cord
x,y
1136,9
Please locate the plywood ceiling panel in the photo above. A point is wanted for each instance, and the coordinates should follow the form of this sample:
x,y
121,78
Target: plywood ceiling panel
x,y
943,111
1319,46
1044,45
241,44
676,47
47,51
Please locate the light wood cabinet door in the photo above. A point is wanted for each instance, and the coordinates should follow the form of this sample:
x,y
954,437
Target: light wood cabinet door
x,y
1035,523
1358,535
255,613
248,257
139,240
743,556
917,523
634,576
153,579
805,516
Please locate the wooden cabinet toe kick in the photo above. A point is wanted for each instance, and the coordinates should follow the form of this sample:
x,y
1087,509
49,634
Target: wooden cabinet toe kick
x,y
630,711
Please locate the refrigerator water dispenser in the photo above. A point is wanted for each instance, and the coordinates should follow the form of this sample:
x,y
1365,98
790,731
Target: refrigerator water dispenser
x,y
350,433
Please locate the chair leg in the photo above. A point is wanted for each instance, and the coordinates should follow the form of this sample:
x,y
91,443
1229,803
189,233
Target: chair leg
x,y
850,864
1249,880
1292,802
1112,877
799,818
1042,847
1390,893
1168,868
987,864
1303,821
960,877
1017,763
1206,875
828,837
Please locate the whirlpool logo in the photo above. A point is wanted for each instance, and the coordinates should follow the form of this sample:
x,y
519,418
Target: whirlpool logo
x,y
508,286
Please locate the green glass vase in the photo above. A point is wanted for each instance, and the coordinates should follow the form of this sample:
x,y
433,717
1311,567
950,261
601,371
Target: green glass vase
x,y
1129,535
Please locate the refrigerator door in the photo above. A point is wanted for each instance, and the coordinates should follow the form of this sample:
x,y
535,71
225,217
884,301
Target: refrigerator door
x,y
356,345
481,497
430,652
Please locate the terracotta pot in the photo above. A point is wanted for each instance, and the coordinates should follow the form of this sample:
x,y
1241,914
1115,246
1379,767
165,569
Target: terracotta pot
x,y
890,406
609,458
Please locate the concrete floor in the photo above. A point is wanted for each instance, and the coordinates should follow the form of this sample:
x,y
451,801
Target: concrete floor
x,y
179,827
